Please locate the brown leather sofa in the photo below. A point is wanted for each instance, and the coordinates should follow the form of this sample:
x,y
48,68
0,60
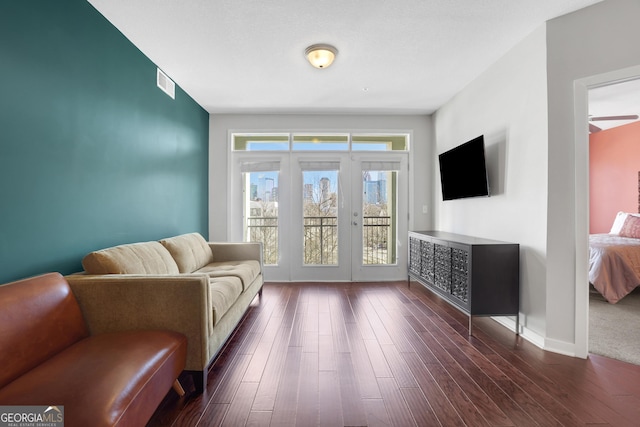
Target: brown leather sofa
x,y
48,358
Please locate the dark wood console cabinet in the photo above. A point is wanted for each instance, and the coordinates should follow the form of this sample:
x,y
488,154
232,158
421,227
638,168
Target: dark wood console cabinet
x,y
480,277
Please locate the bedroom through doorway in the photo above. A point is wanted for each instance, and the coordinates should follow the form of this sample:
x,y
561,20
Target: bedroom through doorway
x,y
614,186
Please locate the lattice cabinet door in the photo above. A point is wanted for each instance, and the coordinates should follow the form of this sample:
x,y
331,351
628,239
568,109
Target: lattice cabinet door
x,y
442,278
460,274
427,269
415,258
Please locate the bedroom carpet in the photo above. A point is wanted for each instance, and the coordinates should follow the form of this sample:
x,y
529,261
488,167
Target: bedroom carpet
x,y
614,329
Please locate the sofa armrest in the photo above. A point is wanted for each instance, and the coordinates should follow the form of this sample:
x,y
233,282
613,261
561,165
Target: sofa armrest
x,y
225,251
120,302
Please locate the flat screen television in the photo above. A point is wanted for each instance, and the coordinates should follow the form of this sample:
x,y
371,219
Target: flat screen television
x,y
463,171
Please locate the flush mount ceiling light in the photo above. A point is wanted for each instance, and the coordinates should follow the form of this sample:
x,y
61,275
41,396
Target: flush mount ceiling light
x,y
321,55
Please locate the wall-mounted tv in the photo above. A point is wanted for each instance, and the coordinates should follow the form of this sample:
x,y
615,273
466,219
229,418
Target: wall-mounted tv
x,y
463,171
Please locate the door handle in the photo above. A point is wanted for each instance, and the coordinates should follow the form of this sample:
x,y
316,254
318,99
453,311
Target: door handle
x,y
355,223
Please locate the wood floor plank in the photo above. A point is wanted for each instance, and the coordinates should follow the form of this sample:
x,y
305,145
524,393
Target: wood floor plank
x,y
311,320
262,311
266,394
297,329
447,414
329,406
285,405
259,419
324,320
379,363
362,364
377,354
393,328
262,350
327,354
230,383
420,408
353,412
215,414
399,412
401,371
338,327
238,411
355,299
377,415
307,411
465,406
376,324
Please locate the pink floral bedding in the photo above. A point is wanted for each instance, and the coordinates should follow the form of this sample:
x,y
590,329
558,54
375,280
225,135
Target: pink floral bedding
x,y
614,265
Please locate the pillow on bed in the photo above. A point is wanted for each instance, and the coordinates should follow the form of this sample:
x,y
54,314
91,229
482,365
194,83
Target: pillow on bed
x,y
631,227
619,221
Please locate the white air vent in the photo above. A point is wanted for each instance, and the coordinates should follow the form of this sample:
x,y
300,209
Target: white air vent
x,y
166,84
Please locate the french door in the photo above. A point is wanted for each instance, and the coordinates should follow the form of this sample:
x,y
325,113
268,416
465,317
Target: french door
x,y
339,216
379,214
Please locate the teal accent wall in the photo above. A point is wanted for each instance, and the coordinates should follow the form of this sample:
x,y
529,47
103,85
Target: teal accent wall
x,y
92,153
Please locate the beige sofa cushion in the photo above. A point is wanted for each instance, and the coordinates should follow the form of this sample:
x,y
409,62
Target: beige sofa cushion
x,y
190,251
223,292
134,258
247,270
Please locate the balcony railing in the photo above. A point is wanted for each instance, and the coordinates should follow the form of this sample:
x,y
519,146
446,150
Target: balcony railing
x,y
265,230
321,239
375,236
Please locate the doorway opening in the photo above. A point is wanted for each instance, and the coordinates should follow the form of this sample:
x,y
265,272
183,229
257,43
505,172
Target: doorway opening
x,y
614,156
586,90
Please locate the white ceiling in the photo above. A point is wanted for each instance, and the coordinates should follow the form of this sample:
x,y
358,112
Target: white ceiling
x,y
395,56
619,99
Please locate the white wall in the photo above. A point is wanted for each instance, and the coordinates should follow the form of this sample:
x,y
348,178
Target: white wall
x,y
508,104
220,126
592,41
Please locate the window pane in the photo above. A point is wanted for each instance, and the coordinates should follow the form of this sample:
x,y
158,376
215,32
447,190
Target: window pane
x,y
321,142
379,211
320,193
270,142
379,142
261,212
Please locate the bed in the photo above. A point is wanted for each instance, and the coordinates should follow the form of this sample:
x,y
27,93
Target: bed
x,y
614,258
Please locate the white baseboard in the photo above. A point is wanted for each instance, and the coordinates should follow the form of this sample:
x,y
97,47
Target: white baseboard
x,y
533,337
560,347
547,344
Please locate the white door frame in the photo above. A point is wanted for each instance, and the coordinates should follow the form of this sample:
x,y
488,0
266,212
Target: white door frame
x,y
581,148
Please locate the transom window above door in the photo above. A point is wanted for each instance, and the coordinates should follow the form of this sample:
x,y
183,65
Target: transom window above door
x,y
309,142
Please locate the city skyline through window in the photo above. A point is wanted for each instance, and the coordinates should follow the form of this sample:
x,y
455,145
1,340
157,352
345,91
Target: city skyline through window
x,y
336,193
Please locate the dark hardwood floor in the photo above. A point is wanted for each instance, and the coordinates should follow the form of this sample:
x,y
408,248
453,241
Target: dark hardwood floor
x,y
377,354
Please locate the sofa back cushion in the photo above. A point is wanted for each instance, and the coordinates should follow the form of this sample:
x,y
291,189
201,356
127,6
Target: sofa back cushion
x,y
39,317
190,251
134,258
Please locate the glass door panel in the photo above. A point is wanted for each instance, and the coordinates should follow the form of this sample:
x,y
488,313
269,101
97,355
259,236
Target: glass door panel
x,y
320,217
260,211
379,214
